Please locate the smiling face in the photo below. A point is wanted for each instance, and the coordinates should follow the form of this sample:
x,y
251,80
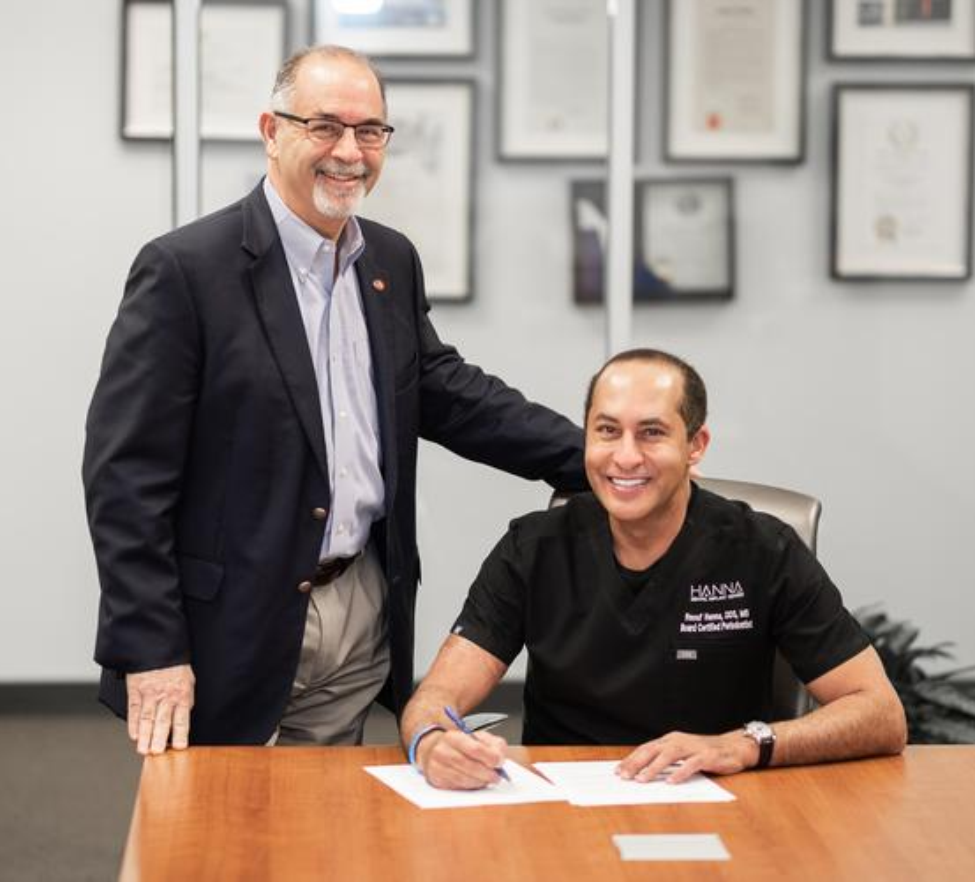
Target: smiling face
x,y
638,455
325,183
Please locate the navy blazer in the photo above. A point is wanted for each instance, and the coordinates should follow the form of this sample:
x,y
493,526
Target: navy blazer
x,y
205,458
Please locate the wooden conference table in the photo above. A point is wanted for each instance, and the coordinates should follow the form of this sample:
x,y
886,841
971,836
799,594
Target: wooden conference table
x,y
312,813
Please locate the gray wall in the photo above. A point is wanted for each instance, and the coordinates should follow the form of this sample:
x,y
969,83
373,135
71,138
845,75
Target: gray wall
x,y
857,393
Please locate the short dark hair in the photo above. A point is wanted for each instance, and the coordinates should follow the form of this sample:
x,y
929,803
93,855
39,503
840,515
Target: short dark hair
x,y
284,82
693,406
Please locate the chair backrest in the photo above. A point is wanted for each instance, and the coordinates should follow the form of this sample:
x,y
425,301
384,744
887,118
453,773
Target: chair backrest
x,y
801,512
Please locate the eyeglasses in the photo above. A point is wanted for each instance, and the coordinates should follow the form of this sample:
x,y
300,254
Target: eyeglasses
x,y
326,130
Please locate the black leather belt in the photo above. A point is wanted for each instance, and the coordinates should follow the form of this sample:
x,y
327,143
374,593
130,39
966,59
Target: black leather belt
x,y
329,570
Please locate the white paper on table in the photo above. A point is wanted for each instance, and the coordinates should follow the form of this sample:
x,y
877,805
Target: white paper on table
x,y
524,786
596,783
671,847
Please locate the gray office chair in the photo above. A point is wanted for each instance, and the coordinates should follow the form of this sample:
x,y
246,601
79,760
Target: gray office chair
x,y
801,512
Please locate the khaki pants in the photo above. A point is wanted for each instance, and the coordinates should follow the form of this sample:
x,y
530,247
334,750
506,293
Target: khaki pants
x,y
344,659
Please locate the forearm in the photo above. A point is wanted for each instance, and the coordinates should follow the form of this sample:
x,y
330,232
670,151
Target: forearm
x,y
855,725
462,676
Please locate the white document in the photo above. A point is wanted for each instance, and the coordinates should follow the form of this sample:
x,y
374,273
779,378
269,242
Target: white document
x,y
671,847
596,783
524,786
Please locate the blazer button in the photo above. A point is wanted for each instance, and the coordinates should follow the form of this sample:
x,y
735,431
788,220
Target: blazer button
x,y
304,587
319,514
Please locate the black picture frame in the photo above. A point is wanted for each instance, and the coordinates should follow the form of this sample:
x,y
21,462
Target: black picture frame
x,y
869,31
901,193
234,85
427,190
771,130
411,35
691,259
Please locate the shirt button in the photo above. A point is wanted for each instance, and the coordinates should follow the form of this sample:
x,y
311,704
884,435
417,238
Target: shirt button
x,y
343,473
319,514
342,414
304,587
341,528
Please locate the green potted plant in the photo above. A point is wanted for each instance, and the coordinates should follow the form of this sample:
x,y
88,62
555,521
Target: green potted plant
x,y
939,707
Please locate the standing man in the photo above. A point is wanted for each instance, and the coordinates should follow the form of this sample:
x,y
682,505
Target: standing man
x,y
250,463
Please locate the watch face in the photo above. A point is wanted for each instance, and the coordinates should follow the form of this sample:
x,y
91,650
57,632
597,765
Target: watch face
x,y
760,731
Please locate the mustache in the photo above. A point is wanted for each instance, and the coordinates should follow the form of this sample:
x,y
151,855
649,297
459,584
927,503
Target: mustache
x,y
352,170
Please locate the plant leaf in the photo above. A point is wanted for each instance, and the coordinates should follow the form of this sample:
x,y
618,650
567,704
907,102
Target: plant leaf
x,y
947,695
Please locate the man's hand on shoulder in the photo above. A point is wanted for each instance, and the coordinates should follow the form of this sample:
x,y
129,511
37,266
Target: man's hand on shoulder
x,y
159,703
454,761
720,754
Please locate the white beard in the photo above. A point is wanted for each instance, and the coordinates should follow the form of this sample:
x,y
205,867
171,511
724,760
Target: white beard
x,y
338,207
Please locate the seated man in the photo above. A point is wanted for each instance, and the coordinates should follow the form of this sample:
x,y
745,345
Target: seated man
x,y
651,610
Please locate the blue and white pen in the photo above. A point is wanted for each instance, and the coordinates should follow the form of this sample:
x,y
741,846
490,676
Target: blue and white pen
x,y
458,721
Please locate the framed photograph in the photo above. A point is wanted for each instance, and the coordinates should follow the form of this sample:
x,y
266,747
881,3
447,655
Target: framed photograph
x,y
242,45
397,28
735,83
426,188
902,181
684,247
553,63
902,30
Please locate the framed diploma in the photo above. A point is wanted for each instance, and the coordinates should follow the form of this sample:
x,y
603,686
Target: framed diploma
x,y
397,28
242,44
735,89
902,181
428,179
902,30
553,64
683,240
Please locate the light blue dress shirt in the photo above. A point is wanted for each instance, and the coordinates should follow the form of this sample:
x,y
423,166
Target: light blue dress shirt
x,y
335,325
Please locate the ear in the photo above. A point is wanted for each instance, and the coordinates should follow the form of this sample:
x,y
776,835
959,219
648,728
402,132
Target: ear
x,y
699,444
268,125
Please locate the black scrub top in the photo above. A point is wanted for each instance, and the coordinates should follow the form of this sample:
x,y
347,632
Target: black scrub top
x,y
690,650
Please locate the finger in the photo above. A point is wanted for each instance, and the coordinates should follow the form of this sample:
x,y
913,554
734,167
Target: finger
x,y
132,718
661,761
147,717
691,766
181,727
160,729
638,759
489,753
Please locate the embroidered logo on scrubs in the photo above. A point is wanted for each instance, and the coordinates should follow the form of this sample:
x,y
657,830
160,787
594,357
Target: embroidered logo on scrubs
x,y
709,592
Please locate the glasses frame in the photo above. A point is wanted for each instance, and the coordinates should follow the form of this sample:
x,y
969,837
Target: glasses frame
x,y
307,120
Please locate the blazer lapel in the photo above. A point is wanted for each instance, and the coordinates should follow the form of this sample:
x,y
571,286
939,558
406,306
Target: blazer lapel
x,y
376,289
278,308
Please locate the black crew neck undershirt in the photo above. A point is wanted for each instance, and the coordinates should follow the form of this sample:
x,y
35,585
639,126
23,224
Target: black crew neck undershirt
x,y
635,580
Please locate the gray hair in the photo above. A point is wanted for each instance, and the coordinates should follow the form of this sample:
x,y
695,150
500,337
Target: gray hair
x,y
284,83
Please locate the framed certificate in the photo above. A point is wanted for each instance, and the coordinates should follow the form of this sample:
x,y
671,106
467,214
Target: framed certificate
x,y
735,89
553,65
902,30
683,240
397,28
902,181
427,183
242,44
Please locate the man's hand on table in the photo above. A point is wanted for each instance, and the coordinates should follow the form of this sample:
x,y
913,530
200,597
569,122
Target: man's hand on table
x,y
453,760
159,704
720,754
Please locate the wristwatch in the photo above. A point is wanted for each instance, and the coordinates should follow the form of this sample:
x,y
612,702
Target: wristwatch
x,y
762,734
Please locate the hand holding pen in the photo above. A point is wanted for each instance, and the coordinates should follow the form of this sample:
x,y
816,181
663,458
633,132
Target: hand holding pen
x,y
458,721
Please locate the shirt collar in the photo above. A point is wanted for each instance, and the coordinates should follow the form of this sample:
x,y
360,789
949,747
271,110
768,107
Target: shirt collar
x,y
304,246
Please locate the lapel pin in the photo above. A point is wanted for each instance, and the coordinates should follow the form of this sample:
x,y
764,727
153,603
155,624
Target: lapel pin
x,y
379,285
